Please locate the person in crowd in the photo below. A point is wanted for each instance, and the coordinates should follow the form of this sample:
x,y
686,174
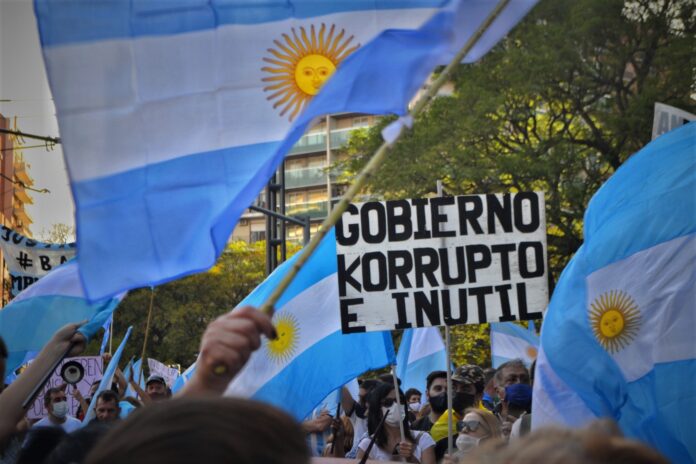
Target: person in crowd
x,y
523,425
156,388
340,441
40,442
417,446
476,428
490,397
107,408
207,430
356,411
436,394
598,444
56,404
317,427
74,447
413,397
510,373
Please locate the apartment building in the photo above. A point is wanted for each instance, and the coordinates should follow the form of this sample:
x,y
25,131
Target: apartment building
x,y
309,186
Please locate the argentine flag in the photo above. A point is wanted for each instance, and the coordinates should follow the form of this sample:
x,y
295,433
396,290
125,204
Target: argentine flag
x,y
420,353
174,114
29,321
618,337
311,357
511,341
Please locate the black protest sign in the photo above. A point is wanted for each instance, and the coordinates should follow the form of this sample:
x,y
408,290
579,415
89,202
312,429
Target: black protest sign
x,y
442,261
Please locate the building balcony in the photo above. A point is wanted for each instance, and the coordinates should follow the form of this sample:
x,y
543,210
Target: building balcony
x,y
313,209
312,143
304,177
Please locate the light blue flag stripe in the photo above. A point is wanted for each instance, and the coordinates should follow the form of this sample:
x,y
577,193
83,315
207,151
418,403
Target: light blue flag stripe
x,y
107,330
107,377
31,319
647,203
413,374
514,330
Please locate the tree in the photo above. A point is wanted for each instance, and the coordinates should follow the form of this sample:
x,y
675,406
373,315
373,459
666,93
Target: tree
x,y
182,309
558,106
58,233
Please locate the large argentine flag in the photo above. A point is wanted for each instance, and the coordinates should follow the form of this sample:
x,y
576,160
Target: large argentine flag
x,y
510,341
311,357
420,353
172,113
31,319
618,338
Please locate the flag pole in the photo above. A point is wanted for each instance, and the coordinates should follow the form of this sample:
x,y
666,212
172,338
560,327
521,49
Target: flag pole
x,y
147,332
373,164
398,403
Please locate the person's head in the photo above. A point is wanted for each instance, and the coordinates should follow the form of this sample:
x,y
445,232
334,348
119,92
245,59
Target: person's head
x,y
3,363
382,401
518,397
413,398
75,446
436,391
40,442
510,373
156,388
56,403
476,427
467,382
107,408
204,430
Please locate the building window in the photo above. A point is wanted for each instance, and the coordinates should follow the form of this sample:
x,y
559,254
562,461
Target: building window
x,y
257,235
362,121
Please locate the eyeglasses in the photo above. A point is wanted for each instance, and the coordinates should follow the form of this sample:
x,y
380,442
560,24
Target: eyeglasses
x,y
470,426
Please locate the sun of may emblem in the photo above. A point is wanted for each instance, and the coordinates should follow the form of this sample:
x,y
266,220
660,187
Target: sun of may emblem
x,y
301,63
283,348
615,320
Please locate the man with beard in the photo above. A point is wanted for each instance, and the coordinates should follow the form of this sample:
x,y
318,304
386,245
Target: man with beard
x,y
436,394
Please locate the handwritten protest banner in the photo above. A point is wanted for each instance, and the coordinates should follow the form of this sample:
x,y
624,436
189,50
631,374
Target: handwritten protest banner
x,y
28,260
169,374
93,371
442,261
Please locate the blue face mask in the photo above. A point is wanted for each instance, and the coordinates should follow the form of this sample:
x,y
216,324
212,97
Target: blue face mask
x,y
519,395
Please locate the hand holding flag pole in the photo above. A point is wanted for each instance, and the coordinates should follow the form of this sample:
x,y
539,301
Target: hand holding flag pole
x,y
377,159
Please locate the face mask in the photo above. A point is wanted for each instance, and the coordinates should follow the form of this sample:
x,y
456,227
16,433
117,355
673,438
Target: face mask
x,y
395,415
360,410
415,407
439,403
461,401
60,409
466,443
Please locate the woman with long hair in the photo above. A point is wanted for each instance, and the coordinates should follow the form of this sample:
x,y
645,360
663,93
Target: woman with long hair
x,y
417,447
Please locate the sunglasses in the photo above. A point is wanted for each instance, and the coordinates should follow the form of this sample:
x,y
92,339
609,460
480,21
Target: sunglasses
x,y
470,426
388,402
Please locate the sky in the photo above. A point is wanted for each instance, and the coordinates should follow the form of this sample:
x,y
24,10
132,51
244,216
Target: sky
x,y
23,80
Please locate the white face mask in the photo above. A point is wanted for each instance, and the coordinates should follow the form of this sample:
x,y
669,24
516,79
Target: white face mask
x,y
466,443
415,407
60,409
395,416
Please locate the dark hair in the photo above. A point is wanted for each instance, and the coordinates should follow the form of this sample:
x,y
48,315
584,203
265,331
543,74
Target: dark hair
x,y
369,384
374,414
107,396
49,393
75,446
412,391
39,443
3,349
434,375
204,430
388,378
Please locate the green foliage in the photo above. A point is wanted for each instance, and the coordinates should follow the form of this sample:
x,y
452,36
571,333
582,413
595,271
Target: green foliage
x,y
183,308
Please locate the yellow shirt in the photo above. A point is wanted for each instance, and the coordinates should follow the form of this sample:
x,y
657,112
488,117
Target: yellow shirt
x,y
439,429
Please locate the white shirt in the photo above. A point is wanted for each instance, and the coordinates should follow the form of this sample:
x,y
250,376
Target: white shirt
x,y
423,441
70,425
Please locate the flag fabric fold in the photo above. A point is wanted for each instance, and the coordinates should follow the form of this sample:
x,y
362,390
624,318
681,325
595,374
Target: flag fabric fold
x,y
510,341
31,319
311,357
173,119
420,353
617,339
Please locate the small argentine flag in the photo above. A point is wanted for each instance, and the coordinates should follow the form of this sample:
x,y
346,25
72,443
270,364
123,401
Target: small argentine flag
x,y
31,319
510,341
618,338
311,357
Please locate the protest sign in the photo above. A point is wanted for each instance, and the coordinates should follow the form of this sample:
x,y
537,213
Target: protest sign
x,y
442,261
93,371
169,374
28,260
668,118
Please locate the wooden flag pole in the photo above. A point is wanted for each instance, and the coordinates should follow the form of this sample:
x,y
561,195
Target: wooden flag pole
x,y
398,403
373,164
147,332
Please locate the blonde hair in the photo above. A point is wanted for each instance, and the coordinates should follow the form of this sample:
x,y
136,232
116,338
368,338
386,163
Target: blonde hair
x,y
489,420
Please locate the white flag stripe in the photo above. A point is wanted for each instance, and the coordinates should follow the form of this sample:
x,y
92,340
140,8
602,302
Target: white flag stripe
x,y
661,301
426,341
506,346
316,309
212,89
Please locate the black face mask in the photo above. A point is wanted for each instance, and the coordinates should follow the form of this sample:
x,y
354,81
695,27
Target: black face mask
x,y
439,403
461,401
360,410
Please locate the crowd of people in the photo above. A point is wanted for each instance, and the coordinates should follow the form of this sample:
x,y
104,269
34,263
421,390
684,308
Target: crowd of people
x,y
490,412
